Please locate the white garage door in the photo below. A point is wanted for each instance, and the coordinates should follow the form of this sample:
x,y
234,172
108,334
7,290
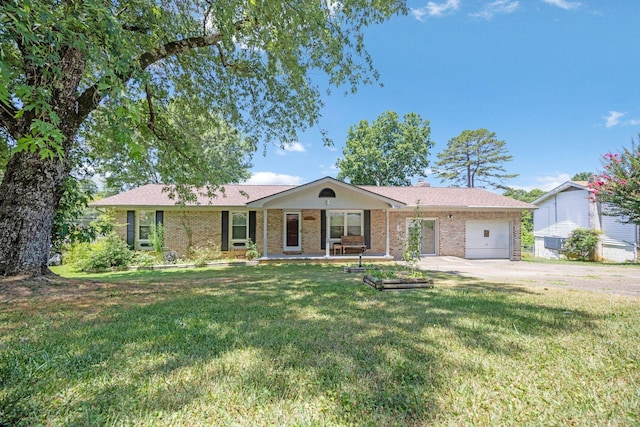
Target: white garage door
x,y
487,239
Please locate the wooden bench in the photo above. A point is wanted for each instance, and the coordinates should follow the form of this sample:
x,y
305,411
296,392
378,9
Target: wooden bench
x,y
353,243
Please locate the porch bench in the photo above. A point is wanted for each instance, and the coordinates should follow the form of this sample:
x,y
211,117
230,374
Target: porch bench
x,y
353,243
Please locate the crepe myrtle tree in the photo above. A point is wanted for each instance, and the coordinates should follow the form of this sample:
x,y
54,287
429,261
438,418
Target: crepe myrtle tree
x,y
247,61
618,185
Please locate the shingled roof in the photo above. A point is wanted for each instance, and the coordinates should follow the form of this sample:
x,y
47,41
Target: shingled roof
x,y
154,195
446,197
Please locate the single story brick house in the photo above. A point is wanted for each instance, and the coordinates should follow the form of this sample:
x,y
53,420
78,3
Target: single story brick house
x,y
310,219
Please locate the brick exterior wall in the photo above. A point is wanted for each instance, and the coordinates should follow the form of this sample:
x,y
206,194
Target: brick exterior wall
x,y
452,231
185,229
203,228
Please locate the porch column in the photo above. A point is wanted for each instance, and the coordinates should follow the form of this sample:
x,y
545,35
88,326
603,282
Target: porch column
x,y
386,212
327,245
264,233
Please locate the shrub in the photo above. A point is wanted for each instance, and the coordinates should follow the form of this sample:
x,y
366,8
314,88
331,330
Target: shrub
x,y
252,251
582,244
110,251
156,238
200,255
144,258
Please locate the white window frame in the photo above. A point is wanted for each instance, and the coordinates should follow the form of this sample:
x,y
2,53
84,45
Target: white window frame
x,y
345,224
236,243
143,244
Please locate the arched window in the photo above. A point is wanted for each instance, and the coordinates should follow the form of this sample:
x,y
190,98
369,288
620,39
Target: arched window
x,y
327,192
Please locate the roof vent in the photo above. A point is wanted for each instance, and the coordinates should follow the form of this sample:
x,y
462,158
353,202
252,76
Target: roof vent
x,y
422,183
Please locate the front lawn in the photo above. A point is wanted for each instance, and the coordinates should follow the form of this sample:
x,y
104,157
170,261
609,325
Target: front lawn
x,y
311,345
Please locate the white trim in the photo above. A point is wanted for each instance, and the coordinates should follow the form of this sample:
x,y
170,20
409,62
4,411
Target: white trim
x,y
286,248
344,213
137,240
265,236
387,238
242,242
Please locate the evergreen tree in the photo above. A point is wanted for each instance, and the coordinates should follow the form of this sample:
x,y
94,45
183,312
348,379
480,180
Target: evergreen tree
x,y
474,158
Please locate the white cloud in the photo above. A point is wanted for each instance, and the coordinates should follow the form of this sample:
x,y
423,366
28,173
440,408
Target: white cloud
x,y
564,4
271,178
294,147
436,9
547,183
331,170
497,7
613,119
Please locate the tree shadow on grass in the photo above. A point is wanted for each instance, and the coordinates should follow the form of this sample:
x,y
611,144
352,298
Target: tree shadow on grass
x,y
282,345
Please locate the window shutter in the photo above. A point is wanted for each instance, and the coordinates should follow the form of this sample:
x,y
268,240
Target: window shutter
x,y
131,228
225,231
323,229
367,228
252,226
160,218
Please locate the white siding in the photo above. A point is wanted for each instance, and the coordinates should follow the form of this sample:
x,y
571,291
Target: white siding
x,y
618,239
560,215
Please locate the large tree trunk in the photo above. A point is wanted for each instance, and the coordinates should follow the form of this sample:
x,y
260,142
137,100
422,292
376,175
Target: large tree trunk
x,y
29,196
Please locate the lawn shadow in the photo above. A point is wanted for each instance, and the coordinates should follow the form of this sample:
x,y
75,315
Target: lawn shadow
x,y
272,338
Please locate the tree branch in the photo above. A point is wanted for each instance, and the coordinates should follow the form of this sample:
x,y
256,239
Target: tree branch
x,y
7,118
91,97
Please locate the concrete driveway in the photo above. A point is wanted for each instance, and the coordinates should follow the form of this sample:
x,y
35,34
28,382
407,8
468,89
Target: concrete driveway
x,y
613,279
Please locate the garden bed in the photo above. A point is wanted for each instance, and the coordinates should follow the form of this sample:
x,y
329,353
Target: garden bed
x,y
397,282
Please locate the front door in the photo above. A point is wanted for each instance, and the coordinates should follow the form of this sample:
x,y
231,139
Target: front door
x,y
427,237
292,231
428,234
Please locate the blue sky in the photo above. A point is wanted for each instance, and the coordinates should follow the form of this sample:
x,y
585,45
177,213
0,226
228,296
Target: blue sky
x,y
556,79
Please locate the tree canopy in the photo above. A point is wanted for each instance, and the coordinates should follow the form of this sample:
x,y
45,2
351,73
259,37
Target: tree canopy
x,y
474,158
618,185
245,63
527,216
582,176
387,151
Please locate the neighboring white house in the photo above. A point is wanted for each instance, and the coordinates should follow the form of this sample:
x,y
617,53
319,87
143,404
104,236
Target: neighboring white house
x,y
568,207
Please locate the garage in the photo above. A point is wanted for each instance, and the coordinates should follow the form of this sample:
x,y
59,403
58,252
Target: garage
x,y
487,239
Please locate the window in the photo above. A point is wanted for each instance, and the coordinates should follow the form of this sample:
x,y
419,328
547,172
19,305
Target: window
x,y
336,221
345,224
146,220
327,192
239,228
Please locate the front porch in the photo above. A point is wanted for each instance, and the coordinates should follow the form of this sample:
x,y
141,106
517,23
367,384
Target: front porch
x,y
323,258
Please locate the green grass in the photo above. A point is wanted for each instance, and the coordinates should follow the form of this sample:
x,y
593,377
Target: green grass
x,y
310,345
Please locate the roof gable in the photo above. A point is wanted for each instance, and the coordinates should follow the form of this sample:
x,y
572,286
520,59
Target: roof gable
x,y
568,185
309,195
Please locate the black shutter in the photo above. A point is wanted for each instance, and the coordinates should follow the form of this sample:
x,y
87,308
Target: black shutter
x,y
323,229
367,228
225,231
160,218
131,228
252,226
